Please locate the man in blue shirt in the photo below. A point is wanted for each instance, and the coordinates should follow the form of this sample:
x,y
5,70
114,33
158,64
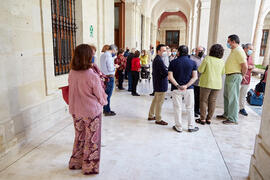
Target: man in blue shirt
x,y
107,68
160,83
182,74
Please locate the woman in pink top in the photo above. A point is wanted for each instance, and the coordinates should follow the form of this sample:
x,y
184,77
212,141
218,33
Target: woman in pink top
x,y
86,101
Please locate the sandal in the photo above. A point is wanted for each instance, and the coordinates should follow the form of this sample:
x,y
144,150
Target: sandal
x,y
208,121
199,121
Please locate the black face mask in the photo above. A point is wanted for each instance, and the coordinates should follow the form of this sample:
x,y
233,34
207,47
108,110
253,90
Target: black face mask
x,y
200,54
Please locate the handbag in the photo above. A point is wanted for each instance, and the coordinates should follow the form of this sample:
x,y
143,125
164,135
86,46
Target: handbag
x,y
65,93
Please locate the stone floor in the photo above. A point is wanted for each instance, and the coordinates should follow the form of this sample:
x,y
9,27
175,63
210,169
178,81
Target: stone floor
x,y
135,149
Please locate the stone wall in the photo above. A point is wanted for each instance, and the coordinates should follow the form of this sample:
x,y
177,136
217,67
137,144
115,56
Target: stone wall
x,y
30,102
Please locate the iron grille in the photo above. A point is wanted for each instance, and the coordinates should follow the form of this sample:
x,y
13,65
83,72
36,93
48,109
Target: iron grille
x,y
64,34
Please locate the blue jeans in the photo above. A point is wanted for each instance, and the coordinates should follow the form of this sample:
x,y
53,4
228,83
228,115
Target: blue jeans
x,y
129,81
108,91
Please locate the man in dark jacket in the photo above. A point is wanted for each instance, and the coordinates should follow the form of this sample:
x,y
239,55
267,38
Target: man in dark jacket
x,y
160,83
128,68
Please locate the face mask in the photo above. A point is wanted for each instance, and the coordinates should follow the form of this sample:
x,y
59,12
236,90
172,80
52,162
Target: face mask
x,y
174,53
169,54
249,52
93,59
164,54
229,46
200,54
193,53
113,54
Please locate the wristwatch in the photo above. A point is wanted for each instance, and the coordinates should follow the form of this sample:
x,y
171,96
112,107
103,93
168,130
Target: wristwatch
x,y
178,86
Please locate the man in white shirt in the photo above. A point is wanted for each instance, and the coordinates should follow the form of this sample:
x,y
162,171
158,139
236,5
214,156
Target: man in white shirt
x,y
107,68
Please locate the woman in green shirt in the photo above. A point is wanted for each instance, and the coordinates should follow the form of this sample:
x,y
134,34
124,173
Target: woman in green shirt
x,y
212,69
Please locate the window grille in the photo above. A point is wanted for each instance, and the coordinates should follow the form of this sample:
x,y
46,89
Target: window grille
x,y
64,34
264,41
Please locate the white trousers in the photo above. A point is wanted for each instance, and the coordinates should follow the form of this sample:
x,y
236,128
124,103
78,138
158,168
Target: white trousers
x,y
242,96
177,97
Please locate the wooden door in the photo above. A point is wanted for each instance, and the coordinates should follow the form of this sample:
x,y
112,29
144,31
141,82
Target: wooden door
x,y
172,39
119,24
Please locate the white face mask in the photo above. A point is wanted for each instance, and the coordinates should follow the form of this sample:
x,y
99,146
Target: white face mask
x,y
164,54
169,54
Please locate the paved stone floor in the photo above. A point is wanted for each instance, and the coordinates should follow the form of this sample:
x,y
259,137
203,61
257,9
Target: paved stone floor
x,y
135,149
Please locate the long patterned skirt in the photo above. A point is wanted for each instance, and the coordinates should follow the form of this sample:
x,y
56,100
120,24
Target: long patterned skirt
x,y
86,148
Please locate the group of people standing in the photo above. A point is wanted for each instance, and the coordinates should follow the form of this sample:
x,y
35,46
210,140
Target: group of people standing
x,y
196,81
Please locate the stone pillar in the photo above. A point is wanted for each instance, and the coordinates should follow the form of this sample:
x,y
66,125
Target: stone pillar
x,y
267,52
147,29
258,33
130,21
154,35
260,160
204,23
192,26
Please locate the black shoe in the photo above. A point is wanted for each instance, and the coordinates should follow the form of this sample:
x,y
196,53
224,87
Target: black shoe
x,y
243,112
152,94
129,90
121,88
174,128
135,94
221,117
193,130
197,112
228,122
111,113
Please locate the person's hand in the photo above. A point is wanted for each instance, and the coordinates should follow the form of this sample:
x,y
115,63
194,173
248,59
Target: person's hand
x,y
183,87
245,80
116,66
250,66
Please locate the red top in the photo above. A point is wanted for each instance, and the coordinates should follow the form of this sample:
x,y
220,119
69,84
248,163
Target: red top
x,y
248,74
135,64
121,61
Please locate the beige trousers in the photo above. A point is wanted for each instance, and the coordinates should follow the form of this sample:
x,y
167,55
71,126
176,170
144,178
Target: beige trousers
x,y
157,102
208,99
177,98
243,94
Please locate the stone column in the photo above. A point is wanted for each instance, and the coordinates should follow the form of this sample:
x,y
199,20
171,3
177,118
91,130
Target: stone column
x,y
260,160
267,52
204,23
130,22
154,35
192,26
258,33
147,29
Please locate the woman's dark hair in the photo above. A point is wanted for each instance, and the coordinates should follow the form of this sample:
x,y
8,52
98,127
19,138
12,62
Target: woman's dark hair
x,y
216,51
234,38
81,59
183,50
137,54
120,51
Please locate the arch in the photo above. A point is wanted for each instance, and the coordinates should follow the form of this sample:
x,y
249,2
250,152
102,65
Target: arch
x,y
154,3
166,14
169,6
